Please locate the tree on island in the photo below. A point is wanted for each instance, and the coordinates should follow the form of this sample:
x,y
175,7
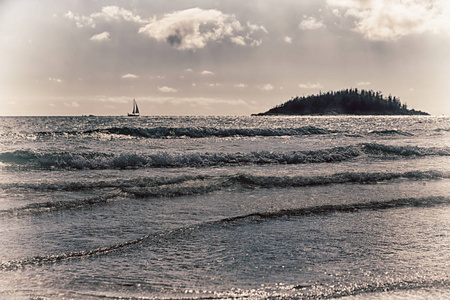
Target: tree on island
x,y
344,102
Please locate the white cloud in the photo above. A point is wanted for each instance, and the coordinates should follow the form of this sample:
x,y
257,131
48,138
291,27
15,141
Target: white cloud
x,y
240,85
107,99
266,87
73,104
130,76
191,29
363,83
310,85
206,72
238,40
311,23
393,19
287,39
108,13
80,21
256,43
193,101
157,77
57,80
166,89
194,28
117,13
253,28
101,37
202,101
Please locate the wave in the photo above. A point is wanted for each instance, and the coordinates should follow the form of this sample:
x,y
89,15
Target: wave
x,y
389,132
343,208
261,216
204,132
326,291
150,188
41,207
379,287
95,160
46,259
101,184
442,130
195,132
388,150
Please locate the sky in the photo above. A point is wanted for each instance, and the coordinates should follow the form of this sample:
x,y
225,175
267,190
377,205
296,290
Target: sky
x,y
207,57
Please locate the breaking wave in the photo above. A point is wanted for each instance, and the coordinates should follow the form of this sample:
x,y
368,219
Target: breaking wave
x,y
389,132
195,132
95,160
150,188
258,216
41,207
387,150
344,208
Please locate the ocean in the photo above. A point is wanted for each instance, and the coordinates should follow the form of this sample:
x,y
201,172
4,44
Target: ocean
x,y
319,207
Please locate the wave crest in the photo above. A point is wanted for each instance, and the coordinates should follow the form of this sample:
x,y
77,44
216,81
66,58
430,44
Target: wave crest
x,y
380,149
150,188
196,132
261,216
65,160
95,160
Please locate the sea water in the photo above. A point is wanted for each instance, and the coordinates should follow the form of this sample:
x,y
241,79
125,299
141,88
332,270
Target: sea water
x,y
351,207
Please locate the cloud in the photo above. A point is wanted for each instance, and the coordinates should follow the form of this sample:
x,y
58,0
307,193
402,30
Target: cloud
x,y
287,39
73,104
191,29
200,101
130,76
363,83
157,77
80,21
240,85
57,80
238,40
108,13
310,85
166,89
311,23
194,28
101,37
206,72
266,87
393,19
117,13
121,100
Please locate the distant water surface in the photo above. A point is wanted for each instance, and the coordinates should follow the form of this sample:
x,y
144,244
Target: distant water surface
x,y
225,207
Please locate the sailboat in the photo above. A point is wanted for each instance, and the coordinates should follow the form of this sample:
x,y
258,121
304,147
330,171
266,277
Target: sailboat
x,y
135,112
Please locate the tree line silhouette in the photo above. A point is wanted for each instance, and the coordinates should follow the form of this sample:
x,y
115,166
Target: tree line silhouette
x,y
348,102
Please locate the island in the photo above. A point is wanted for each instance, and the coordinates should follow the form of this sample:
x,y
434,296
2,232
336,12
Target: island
x,y
343,102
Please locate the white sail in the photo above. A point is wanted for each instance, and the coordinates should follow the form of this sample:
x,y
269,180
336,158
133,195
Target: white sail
x,y
136,108
135,112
